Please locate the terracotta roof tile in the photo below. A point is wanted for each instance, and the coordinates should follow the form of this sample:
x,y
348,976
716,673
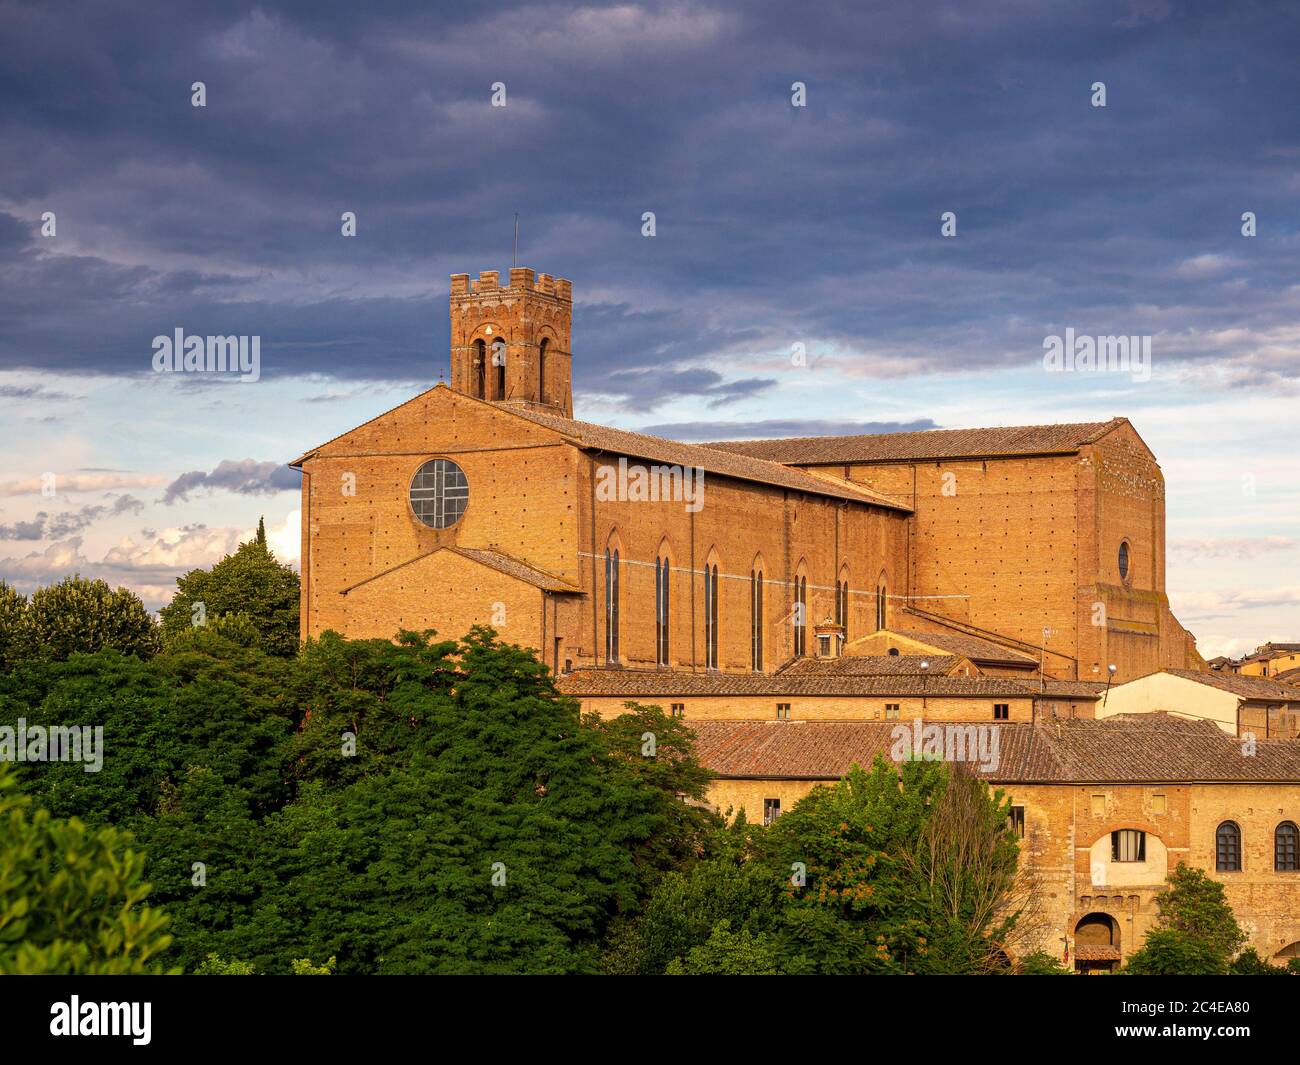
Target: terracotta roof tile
x,y
1244,687
1096,952
1061,439
655,683
870,666
502,563
722,463
1155,748
972,647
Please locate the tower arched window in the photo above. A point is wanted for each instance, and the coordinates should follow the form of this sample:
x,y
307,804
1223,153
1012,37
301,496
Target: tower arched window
x,y
663,612
1286,848
611,604
541,369
499,365
480,368
1227,847
756,620
711,616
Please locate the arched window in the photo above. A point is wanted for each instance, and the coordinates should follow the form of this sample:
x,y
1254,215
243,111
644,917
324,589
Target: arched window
x,y
882,597
1123,560
711,615
1227,847
800,616
499,364
756,620
611,604
662,611
541,369
480,368
842,602
1286,848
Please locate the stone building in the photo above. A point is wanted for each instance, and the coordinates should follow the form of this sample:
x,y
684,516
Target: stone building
x,y
485,502
1105,808
799,601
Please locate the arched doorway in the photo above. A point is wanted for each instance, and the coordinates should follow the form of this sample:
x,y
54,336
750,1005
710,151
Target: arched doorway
x,y
1096,943
1289,953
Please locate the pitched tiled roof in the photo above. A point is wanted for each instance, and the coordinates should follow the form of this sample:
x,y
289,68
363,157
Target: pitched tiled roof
x,y
1244,687
722,463
1137,748
1288,676
1070,689
870,666
511,567
655,683
972,647
1063,439
1096,952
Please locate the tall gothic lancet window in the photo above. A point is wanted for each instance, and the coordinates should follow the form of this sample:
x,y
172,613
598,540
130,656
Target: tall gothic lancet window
x,y
480,368
882,596
800,616
711,616
541,369
611,605
662,615
842,604
756,620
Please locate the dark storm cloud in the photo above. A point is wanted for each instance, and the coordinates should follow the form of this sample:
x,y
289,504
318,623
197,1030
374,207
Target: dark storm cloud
x,y
46,526
775,225
244,477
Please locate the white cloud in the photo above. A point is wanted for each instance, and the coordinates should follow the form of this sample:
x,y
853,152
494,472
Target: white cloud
x,y
81,482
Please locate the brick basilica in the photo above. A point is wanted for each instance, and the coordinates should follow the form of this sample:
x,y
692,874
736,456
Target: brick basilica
x,y
796,597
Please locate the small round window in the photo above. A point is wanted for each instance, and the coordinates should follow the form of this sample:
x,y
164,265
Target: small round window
x,y
439,493
1123,560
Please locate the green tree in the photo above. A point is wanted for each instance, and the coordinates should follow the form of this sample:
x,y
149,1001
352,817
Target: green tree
x,y
907,869
250,582
1166,952
1196,932
13,605
449,813
84,615
71,896
1040,963
1249,963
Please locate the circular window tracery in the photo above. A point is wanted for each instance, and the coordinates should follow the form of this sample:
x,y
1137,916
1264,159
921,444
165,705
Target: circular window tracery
x,y
439,493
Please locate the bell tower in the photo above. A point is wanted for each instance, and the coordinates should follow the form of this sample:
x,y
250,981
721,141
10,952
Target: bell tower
x,y
511,344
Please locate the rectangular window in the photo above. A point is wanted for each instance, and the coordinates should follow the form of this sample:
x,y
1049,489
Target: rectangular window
x,y
783,711
771,810
1157,804
679,710
891,711
1001,711
1017,821
1128,845
1099,806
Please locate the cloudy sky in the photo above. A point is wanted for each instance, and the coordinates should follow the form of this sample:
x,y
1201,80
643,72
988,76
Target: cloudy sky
x,y
775,226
